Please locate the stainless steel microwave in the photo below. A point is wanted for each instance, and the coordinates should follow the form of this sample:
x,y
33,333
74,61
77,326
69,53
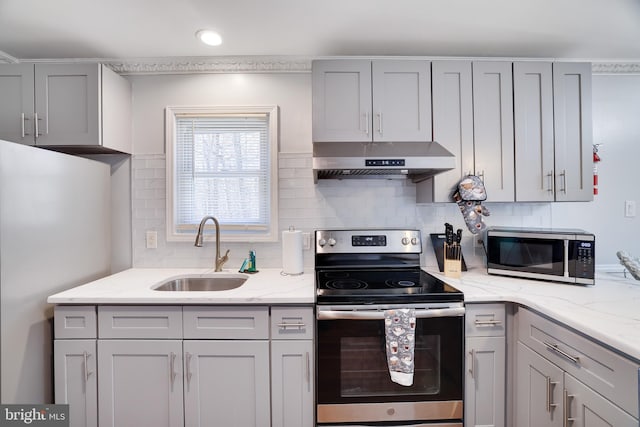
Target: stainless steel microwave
x,y
559,255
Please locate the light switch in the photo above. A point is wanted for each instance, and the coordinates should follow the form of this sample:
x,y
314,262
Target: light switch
x,y
152,239
630,208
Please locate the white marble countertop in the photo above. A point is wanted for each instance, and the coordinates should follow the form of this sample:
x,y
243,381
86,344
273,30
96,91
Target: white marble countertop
x,y
608,311
134,286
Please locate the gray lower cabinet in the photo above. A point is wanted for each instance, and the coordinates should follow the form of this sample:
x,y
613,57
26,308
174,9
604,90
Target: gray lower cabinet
x,y
76,380
226,383
563,378
486,369
236,366
140,383
292,384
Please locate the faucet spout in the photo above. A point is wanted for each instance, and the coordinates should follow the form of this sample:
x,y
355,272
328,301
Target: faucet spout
x,y
219,261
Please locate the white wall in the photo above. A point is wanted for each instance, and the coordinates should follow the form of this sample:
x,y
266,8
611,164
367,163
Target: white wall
x,y
367,203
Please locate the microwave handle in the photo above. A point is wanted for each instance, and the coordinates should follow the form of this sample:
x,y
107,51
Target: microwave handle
x,y
379,315
566,258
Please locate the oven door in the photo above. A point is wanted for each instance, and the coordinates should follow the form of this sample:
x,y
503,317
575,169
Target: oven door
x,y
353,381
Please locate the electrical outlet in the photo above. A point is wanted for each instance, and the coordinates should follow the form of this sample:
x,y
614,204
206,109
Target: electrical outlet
x,y
630,208
152,239
306,241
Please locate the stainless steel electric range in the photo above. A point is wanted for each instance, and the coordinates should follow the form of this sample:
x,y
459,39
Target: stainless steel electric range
x,y
359,275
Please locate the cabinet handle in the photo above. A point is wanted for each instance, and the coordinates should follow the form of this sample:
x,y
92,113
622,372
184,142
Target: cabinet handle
x,y
379,123
36,119
567,409
23,120
472,369
366,123
482,323
550,179
172,368
563,174
481,175
557,350
87,372
188,366
284,325
550,385
308,368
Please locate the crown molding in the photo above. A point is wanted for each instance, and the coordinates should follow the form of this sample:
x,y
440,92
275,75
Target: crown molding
x,y
615,67
5,58
258,64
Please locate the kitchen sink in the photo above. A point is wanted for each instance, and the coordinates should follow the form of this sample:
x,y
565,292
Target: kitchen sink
x,y
218,282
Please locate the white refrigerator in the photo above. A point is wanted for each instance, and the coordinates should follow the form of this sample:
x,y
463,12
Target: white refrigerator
x,y
55,233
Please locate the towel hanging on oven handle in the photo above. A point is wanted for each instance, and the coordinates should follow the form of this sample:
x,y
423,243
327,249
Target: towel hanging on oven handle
x,y
379,314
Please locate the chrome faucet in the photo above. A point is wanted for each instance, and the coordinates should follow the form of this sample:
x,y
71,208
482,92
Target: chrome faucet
x,y
219,261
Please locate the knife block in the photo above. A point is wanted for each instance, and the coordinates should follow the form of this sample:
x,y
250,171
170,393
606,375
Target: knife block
x,y
438,242
452,261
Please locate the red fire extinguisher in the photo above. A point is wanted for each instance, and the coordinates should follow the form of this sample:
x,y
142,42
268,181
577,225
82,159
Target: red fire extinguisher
x,y
596,159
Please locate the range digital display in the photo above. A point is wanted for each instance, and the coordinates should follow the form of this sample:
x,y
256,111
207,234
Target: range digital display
x,y
379,240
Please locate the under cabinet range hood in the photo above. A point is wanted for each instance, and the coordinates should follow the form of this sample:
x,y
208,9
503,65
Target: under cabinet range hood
x,y
415,160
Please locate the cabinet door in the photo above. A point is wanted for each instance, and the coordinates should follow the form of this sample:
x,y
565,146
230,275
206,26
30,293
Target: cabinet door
x,y
573,131
493,129
74,366
67,104
16,103
227,383
533,123
586,408
539,386
452,122
341,96
140,383
292,383
485,384
401,100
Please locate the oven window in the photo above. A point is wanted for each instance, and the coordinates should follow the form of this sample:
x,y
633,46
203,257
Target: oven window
x,y
352,363
368,376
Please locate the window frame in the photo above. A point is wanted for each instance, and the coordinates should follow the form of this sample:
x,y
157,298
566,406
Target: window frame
x,y
171,114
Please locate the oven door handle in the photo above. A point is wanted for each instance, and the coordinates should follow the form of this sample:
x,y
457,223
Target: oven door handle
x,y
379,315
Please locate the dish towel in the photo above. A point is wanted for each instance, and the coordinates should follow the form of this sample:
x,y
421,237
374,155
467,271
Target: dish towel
x,y
400,327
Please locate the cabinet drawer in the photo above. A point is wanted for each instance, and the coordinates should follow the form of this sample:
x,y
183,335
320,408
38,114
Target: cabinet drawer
x,y
292,323
485,320
74,321
139,322
608,373
216,322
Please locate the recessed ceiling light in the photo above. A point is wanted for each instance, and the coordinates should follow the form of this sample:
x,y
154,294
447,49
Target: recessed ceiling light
x,y
209,37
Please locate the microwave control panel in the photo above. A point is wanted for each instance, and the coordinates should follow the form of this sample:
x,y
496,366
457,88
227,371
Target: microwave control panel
x,y
584,258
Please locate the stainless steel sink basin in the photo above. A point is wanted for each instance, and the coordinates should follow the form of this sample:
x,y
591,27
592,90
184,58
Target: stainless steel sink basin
x,y
218,282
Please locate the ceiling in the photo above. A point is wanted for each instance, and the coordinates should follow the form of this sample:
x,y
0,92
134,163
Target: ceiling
x,y
121,29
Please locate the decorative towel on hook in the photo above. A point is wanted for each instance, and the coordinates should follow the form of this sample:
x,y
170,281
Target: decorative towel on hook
x,y
400,327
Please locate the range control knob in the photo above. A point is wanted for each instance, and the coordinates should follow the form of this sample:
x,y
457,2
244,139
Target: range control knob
x,y
414,241
322,243
405,241
332,241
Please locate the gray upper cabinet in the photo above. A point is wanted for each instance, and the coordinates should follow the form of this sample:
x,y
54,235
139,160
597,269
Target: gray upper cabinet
x,y
363,100
533,122
573,131
16,103
553,137
493,129
83,107
452,124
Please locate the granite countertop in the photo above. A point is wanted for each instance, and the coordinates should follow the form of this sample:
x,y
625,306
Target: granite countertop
x,y
608,311
134,286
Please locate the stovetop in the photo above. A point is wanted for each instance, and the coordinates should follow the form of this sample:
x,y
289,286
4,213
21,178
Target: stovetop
x,y
382,286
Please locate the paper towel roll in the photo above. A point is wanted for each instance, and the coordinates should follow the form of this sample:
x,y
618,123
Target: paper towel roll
x,y
292,259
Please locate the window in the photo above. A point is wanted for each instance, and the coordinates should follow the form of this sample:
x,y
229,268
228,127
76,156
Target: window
x,y
222,161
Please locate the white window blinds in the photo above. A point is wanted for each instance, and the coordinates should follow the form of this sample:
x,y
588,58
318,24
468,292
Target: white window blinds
x,y
222,166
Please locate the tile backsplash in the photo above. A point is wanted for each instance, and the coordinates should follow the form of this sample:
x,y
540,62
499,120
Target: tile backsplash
x,y
361,203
